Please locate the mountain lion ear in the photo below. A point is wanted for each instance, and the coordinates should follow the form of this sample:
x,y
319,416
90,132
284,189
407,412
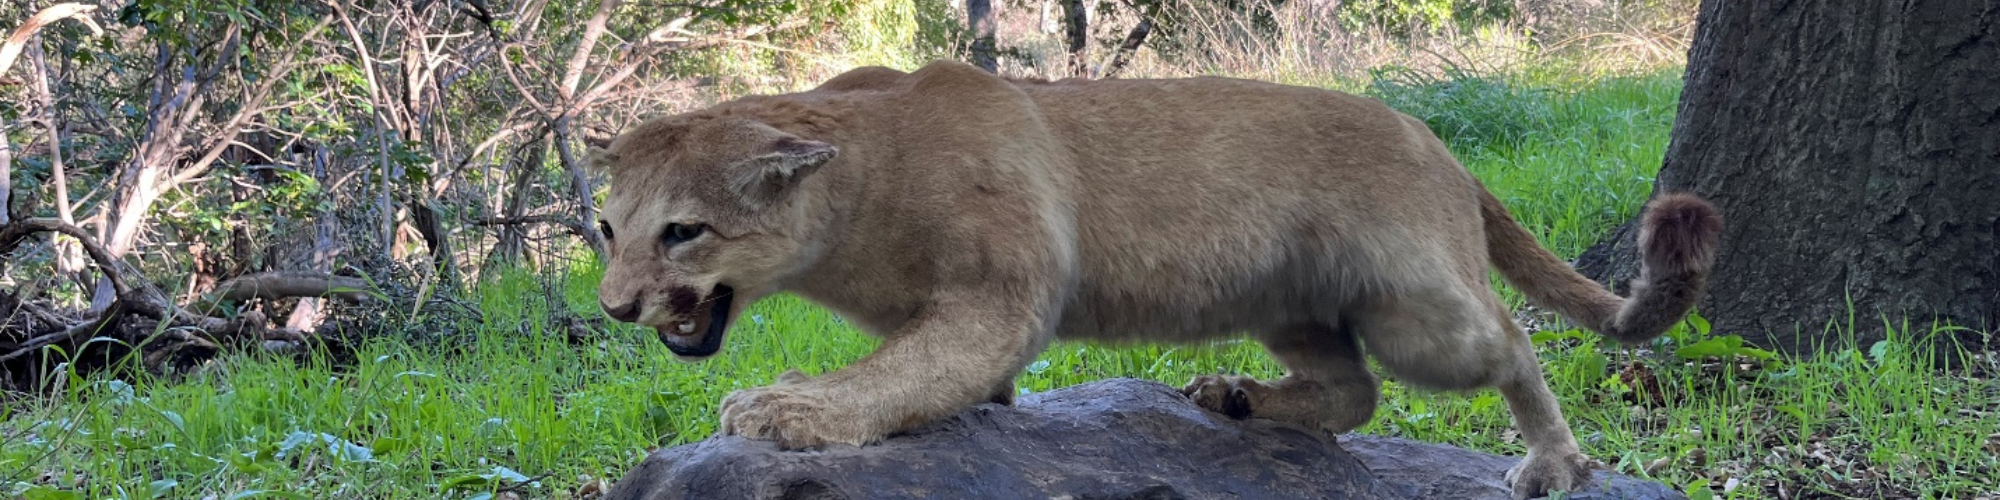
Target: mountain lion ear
x,y
598,149
597,139
601,159
766,179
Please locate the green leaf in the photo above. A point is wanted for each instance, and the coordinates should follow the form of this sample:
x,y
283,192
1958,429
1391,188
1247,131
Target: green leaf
x,y
340,448
121,392
1698,490
1546,336
1724,347
390,446
1792,410
1699,324
256,460
174,418
293,441
1615,384
502,472
464,482
161,487
241,495
350,452
46,493
499,474
1038,367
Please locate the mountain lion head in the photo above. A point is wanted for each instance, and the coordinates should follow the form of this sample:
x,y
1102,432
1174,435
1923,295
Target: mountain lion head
x,y
703,218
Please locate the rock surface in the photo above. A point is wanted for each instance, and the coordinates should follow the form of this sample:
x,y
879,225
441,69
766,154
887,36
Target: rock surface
x,y
1113,439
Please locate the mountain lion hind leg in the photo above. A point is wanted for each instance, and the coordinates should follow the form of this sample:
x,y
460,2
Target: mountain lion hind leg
x,y
1457,337
1327,385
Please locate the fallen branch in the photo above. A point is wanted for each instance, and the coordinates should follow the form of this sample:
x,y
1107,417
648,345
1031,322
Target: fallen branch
x,y
276,285
74,331
14,233
143,299
42,314
571,225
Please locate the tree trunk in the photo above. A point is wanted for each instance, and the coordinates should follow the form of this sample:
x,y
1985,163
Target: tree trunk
x,y
1130,46
580,185
513,239
426,217
985,47
6,176
1076,14
1850,147
11,48
69,256
308,313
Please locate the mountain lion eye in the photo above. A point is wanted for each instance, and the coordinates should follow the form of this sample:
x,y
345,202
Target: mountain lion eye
x,y
681,233
604,227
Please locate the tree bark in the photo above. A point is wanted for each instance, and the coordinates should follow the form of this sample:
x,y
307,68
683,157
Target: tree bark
x,y
427,219
1130,46
1850,147
173,110
69,257
11,48
307,314
274,285
1076,14
512,241
985,46
580,185
6,176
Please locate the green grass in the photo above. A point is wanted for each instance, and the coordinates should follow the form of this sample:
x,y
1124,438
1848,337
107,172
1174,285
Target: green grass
x,y
458,407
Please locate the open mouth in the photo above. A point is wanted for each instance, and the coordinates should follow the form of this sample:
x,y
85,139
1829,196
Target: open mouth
x,y
711,327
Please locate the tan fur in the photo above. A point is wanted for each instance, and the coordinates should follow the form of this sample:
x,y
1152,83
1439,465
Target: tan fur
x,y
970,220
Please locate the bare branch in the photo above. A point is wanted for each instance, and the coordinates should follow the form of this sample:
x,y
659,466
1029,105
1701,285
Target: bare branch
x,y
87,328
276,285
508,69
145,301
579,185
498,135
13,234
57,174
567,223
665,38
1130,46
251,106
6,177
592,30
11,49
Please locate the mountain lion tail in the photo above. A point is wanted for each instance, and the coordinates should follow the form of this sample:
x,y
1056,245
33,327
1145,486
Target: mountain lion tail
x,y
1677,239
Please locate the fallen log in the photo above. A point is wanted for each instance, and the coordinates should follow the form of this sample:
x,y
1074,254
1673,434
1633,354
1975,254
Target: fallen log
x,y
180,326
274,285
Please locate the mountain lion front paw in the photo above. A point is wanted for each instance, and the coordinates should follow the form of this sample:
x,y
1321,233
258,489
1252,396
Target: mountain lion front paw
x,y
794,417
1540,474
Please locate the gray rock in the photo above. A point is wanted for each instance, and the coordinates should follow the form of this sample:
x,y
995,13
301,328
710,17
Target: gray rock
x,y
1113,439
1425,470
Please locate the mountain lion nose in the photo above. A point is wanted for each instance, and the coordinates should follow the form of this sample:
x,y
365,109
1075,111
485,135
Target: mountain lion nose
x,y
626,313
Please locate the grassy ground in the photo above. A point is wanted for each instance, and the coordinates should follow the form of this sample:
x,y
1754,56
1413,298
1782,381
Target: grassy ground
x,y
507,404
